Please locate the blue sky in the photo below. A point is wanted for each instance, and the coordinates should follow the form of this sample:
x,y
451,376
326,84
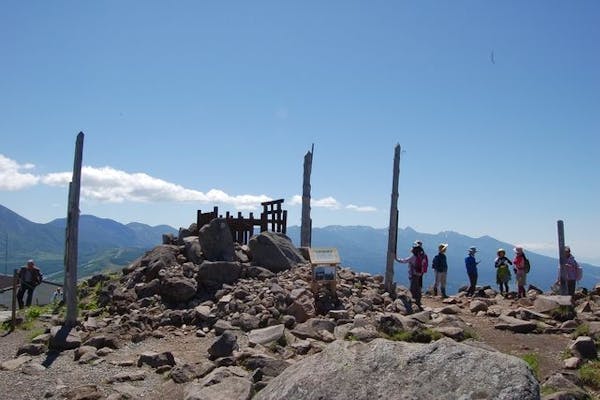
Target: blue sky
x,y
193,104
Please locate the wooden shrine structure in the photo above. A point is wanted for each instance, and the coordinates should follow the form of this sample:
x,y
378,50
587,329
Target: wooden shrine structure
x,y
273,218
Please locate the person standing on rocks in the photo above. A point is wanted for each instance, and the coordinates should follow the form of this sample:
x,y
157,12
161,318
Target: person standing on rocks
x,y
569,273
30,276
520,271
419,246
502,264
471,265
415,272
440,265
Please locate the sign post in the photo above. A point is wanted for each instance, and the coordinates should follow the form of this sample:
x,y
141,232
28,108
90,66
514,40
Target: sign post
x,y
324,263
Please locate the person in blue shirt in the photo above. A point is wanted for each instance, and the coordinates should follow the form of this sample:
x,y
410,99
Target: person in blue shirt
x,y
471,265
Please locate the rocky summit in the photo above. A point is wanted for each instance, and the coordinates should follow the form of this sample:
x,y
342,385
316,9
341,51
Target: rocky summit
x,y
203,317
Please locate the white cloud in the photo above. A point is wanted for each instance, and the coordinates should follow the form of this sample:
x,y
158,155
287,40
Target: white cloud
x,y
110,185
295,200
360,208
327,202
331,203
11,177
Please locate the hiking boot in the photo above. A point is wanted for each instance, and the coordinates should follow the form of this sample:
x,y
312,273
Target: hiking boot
x,y
435,291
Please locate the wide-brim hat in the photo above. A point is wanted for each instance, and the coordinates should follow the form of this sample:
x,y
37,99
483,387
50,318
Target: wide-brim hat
x,y
567,248
518,249
501,251
442,246
472,249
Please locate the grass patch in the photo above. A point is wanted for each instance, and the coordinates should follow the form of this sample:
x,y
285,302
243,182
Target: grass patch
x,y
426,335
534,363
35,332
581,330
563,313
589,374
469,333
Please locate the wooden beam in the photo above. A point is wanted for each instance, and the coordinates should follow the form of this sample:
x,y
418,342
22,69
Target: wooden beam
x,y
393,228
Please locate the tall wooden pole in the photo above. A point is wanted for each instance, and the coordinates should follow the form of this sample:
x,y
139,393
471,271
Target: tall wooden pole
x,y
306,224
72,235
393,229
561,254
14,299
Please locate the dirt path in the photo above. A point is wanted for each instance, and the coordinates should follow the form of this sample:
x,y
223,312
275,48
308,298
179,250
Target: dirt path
x,y
549,348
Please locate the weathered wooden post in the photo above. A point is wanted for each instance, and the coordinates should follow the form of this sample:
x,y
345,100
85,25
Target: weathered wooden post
x,y
14,300
306,225
393,229
561,255
72,234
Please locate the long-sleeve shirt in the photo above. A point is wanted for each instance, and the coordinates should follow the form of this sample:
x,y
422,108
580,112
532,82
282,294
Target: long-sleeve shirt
x,y
471,265
411,261
440,263
569,269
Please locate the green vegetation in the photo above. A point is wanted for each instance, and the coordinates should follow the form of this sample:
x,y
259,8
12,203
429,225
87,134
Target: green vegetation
x,y
35,332
581,330
589,374
469,333
426,335
563,313
534,363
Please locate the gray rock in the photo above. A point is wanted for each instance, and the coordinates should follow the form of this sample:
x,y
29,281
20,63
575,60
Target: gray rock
x,y
156,360
32,349
178,289
257,272
127,377
313,327
274,251
478,305
232,388
223,346
79,352
220,271
266,335
545,304
87,392
63,338
192,250
270,366
188,372
302,307
572,363
584,347
515,325
143,290
14,364
100,341
458,370
221,326
216,241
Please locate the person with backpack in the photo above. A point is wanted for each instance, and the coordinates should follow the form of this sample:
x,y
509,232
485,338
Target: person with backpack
x,y
440,265
416,265
471,265
568,273
30,277
521,268
419,245
502,271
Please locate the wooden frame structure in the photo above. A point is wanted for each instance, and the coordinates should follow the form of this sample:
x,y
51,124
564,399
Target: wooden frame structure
x,y
242,229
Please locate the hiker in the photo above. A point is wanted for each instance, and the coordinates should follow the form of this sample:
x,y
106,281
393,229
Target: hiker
x,y
415,272
57,296
520,270
502,271
568,273
419,246
29,277
440,265
471,265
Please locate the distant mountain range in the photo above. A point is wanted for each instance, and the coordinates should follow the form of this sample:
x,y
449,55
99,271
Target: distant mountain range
x,y
105,244
365,249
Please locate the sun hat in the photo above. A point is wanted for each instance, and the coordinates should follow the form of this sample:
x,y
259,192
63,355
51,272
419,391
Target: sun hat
x,y
518,249
418,243
30,262
501,250
472,249
567,248
442,246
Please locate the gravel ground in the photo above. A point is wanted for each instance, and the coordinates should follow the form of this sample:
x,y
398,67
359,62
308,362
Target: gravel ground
x,y
62,374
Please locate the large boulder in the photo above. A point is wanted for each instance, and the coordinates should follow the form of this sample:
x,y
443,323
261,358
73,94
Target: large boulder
x,y
192,249
219,271
178,289
216,241
160,257
546,304
398,370
274,251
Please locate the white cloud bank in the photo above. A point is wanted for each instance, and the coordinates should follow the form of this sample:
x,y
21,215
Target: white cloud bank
x,y
11,177
330,203
111,185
